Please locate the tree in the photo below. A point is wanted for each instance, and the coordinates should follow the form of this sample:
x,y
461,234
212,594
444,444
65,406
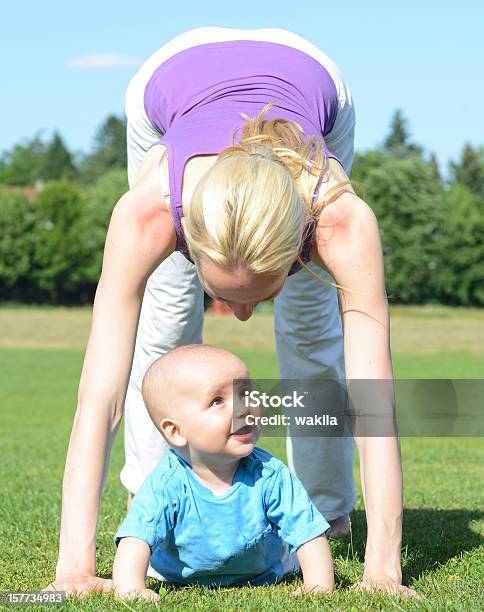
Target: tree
x,y
61,256
434,164
408,205
100,201
459,279
469,171
17,243
109,150
57,161
397,143
363,163
22,165
111,140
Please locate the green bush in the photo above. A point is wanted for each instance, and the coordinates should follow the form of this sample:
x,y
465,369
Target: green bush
x,y
459,280
408,204
17,243
51,246
61,256
100,201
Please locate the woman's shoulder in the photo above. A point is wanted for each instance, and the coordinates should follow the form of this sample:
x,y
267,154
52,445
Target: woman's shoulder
x,y
339,210
347,226
152,179
335,223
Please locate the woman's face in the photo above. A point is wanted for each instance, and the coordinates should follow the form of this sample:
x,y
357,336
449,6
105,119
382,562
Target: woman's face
x,y
239,289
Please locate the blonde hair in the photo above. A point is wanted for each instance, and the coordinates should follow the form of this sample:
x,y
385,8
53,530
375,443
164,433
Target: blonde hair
x,y
254,207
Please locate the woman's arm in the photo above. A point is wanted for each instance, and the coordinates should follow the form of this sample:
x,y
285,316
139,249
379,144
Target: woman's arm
x,y
140,235
348,246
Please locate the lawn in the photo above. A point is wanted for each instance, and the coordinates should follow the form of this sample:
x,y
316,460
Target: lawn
x,y
41,354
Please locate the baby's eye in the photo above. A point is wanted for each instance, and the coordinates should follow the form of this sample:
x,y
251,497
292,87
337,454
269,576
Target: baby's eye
x,y
216,401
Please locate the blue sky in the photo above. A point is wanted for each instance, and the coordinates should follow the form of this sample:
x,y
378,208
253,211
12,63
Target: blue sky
x,y
425,57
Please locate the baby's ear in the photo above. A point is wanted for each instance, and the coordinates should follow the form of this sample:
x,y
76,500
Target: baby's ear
x,y
172,433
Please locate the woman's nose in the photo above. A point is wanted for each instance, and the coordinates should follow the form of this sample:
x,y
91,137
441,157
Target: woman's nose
x,y
243,312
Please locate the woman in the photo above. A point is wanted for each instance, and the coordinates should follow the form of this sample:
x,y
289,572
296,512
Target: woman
x,y
249,215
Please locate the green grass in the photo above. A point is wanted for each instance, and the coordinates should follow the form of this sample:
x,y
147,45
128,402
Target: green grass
x,y
443,552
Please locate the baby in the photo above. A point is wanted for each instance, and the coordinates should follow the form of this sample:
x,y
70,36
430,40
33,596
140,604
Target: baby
x,y
216,510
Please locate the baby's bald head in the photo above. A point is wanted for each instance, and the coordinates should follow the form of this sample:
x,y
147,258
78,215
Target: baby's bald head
x,y
172,378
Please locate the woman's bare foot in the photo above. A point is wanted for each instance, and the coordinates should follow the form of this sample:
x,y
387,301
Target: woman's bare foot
x,y
339,527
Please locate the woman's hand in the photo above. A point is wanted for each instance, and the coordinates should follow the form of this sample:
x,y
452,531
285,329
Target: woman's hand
x,y
385,585
78,584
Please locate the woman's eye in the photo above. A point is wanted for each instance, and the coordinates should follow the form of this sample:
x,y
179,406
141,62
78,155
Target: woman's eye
x,y
216,401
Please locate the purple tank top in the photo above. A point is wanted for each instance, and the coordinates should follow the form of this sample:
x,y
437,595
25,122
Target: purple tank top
x,y
196,96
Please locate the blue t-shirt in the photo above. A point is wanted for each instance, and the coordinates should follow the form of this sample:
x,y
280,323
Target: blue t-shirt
x,y
235,538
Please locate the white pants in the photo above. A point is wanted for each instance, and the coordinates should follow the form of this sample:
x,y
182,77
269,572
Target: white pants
x,y
307,323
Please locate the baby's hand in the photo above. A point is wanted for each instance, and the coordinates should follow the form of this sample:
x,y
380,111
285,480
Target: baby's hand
x,y
142,593
312,589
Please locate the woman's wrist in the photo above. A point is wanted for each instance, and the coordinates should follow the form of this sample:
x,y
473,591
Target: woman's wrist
x,y
384,559
382,569
75,565
70,571
387,572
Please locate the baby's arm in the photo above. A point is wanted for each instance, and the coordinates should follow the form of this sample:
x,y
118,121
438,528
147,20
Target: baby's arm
x,y
298,522
129,570
150,518
317,566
